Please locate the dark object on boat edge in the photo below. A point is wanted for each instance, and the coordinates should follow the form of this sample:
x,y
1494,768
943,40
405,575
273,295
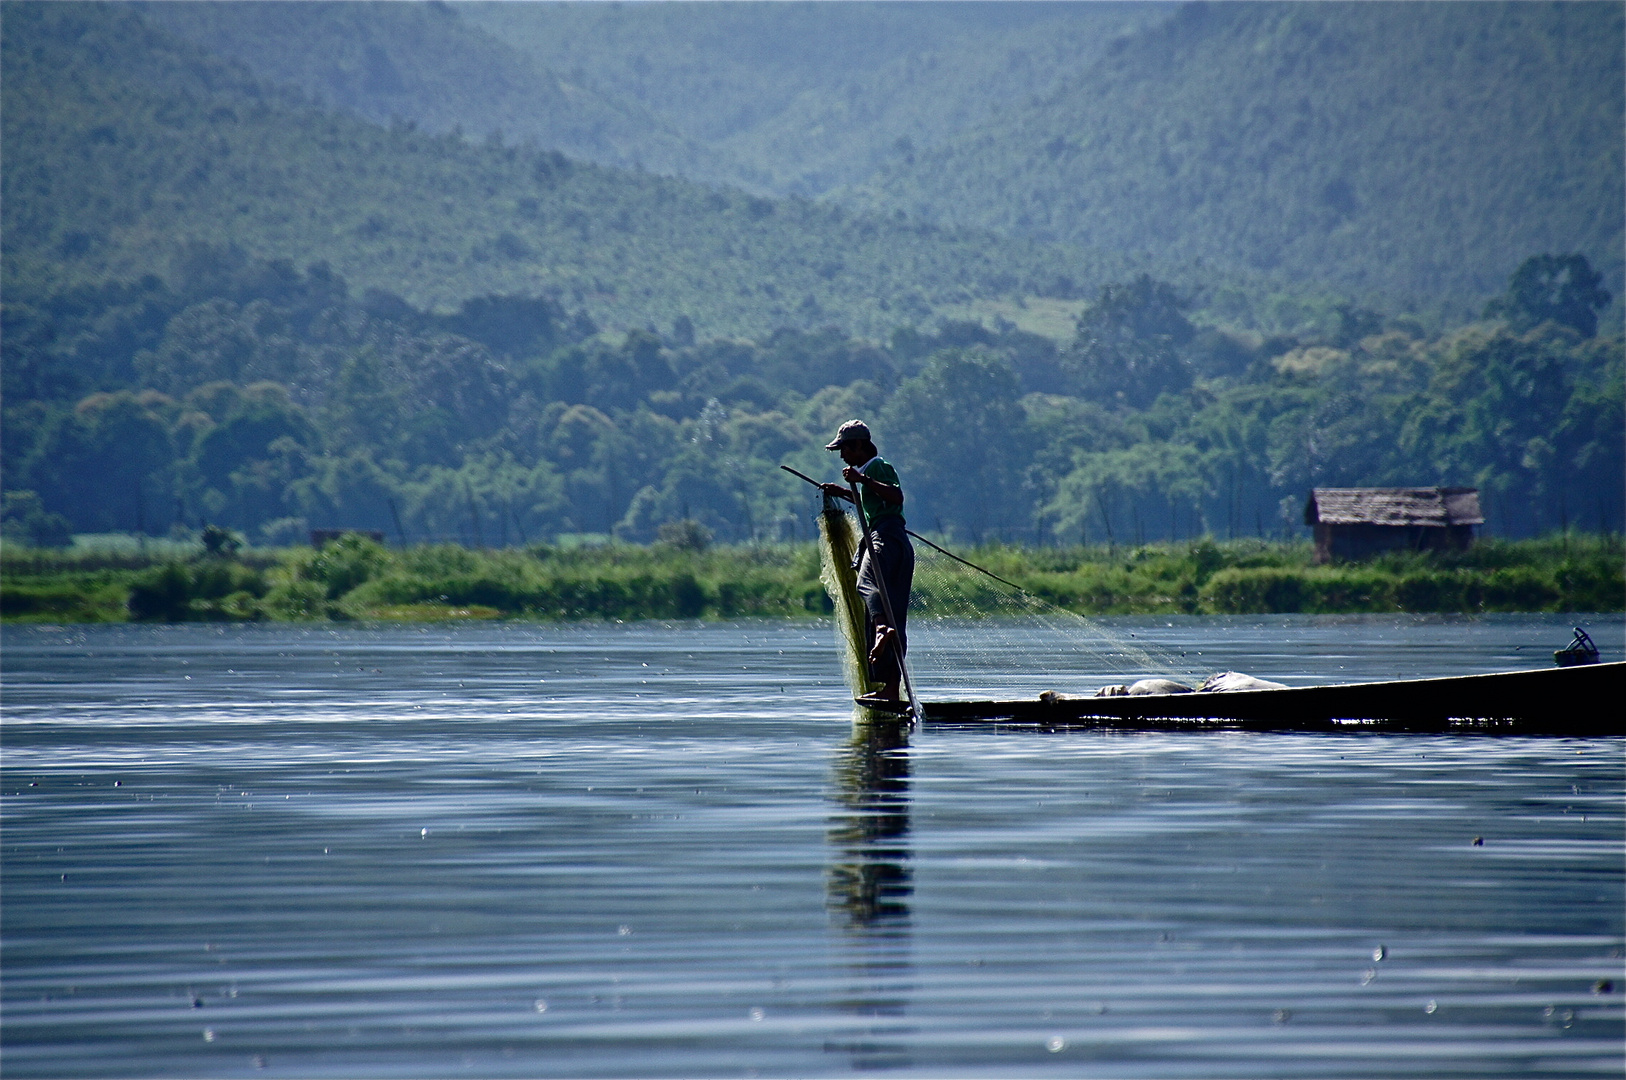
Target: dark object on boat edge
x,y
1580,650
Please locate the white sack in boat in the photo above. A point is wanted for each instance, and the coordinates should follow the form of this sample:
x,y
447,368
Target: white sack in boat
x,y
1158,686
1144,686
1235,680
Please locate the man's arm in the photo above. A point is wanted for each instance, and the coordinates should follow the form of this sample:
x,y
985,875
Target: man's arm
x,y
891,494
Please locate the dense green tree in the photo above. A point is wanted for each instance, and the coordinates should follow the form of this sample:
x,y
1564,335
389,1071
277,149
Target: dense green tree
x,y
345,490
491,500
1561,288
62,346
1526,418
513,326
108,464
808,361
721,474
219,341
608,376
244,468
433,426
24,519
961,441
1108,493
582,443
1130,344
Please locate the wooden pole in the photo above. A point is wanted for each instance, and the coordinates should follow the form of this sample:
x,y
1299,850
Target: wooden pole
x,y
886,606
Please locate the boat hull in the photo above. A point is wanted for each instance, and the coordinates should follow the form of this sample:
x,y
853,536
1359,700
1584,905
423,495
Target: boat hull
x,y
1574,701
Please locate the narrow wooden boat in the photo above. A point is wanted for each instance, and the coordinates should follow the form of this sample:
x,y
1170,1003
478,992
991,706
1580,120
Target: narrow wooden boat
x,y
1583,701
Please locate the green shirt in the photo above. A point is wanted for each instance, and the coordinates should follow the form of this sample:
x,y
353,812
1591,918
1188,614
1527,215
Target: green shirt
x,y
874,507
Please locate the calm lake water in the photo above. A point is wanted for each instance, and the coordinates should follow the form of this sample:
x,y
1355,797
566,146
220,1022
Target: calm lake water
x,y
666,850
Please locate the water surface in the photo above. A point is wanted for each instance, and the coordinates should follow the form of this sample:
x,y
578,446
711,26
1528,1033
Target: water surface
x,y
665,850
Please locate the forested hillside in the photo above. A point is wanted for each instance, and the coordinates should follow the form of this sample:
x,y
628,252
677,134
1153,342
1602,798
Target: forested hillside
x,y
1409,152
122,146
1405,153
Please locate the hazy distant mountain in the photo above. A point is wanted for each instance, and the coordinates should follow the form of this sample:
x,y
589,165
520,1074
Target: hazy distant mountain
x,y
1411,154
123,145
804,96
421,62
1417,151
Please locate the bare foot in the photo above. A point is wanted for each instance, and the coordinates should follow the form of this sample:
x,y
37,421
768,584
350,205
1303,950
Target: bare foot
x,y
884,637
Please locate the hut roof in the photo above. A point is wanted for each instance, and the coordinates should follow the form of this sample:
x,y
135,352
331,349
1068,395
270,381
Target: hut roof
x,y
1438,506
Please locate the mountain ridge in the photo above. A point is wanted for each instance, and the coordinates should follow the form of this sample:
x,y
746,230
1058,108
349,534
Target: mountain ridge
x,y
124,144
1389,158
1407,155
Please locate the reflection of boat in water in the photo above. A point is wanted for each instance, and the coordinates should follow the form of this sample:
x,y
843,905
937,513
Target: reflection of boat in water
x,y
1570,701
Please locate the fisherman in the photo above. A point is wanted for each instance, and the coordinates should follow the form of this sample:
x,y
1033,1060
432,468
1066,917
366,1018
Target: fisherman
x,y
888,563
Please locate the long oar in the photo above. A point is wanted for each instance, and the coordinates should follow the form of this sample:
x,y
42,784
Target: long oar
x,y
880,585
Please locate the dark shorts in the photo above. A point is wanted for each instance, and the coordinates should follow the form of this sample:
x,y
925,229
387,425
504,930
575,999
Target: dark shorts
x,y
895,560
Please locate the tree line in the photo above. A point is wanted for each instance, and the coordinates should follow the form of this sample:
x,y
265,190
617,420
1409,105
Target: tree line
x,y
267,399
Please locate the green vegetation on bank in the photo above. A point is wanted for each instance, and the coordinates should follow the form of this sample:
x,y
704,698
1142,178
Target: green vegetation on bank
x,y
683,578
1241,577
354,578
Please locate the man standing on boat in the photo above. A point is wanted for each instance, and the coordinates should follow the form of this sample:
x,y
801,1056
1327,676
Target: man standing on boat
x,y
888,562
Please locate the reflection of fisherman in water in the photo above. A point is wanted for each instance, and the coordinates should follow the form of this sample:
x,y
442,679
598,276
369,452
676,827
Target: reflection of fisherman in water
x,y
871,883
869,886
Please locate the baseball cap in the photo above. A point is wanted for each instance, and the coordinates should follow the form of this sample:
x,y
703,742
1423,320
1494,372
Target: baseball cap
x,y
851,431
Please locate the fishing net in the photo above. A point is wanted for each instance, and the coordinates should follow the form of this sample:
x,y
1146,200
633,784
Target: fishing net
x,y
971,635
974,636
838,544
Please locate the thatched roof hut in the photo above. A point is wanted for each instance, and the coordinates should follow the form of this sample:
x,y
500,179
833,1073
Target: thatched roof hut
x,y
1353,523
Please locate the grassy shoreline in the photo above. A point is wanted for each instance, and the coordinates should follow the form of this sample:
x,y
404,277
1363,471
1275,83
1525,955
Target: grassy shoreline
x,y
359,580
